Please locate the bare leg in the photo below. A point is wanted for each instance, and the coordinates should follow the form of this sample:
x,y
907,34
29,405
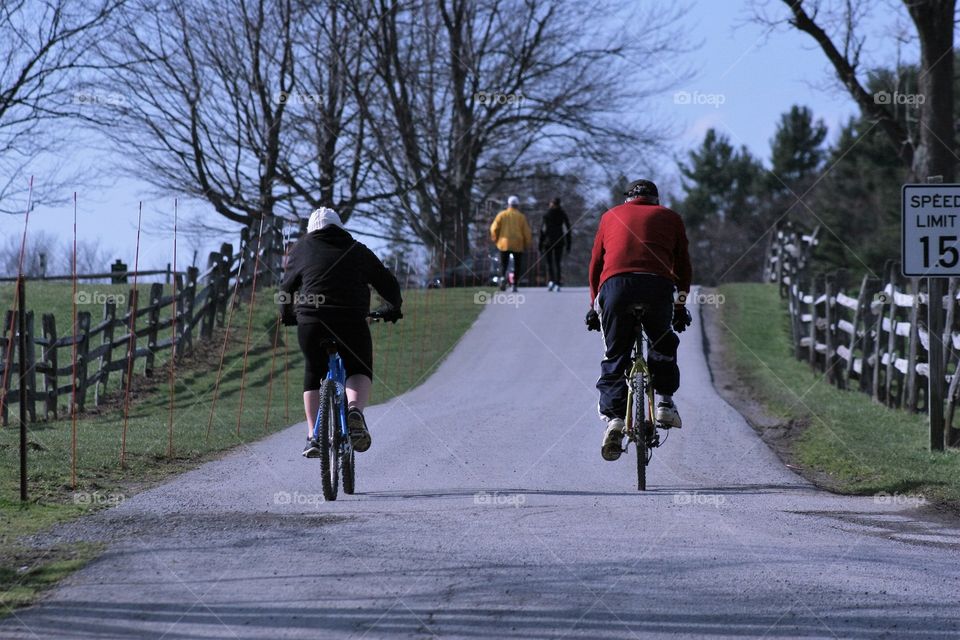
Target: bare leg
x,y
358,391
311,403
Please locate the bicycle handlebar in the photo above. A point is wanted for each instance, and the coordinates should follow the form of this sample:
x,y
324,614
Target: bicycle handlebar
x,y
379,315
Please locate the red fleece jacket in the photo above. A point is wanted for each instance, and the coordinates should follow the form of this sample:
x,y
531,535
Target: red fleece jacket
x,y
638,237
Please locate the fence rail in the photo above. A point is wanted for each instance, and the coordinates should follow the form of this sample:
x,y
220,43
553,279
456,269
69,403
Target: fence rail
x,y
868,335
139,333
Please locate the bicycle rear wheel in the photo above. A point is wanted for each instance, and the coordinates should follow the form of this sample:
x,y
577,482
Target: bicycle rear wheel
x,y
349,471
640,430
329,437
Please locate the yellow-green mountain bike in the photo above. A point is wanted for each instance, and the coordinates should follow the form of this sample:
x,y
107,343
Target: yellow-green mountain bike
x,y
641,426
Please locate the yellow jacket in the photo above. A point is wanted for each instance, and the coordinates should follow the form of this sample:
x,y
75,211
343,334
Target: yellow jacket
x,y
510,231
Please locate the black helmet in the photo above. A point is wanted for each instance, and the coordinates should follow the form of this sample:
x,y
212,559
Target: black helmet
x,y
642,189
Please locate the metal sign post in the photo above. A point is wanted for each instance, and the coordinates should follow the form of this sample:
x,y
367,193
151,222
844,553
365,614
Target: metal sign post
x,y
931,249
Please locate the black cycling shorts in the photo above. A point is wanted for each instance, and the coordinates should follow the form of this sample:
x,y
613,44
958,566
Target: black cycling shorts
x,y
353,344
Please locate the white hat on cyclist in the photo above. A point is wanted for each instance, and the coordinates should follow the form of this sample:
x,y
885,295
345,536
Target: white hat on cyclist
x,y
513,201
323,217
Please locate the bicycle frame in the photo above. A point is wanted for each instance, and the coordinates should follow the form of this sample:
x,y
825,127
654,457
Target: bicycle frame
x,y
639,369
337,373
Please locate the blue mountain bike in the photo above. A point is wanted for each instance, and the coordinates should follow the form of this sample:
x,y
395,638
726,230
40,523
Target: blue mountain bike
x,y
330,427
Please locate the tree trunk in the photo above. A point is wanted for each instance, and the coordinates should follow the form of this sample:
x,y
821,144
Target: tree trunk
x,y
935,153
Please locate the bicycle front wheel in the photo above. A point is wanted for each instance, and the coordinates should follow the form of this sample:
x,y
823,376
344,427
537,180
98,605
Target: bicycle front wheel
x,y
329,436
640,430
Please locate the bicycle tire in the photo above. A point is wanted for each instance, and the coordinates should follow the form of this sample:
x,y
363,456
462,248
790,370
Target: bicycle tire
x,y
329,439
640,431
349,473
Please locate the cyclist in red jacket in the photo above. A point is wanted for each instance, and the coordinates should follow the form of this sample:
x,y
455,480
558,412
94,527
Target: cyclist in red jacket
x,y
639,256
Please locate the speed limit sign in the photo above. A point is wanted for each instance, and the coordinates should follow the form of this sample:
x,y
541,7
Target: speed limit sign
x,y
931,230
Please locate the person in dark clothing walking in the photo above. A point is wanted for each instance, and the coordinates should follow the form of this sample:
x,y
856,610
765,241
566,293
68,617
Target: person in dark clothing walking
x,y
554,235
325,293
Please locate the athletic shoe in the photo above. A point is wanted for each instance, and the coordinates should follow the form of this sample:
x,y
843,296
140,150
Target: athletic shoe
x,y
556,288
550,286
668,416
312,450
503,284
359,435
515,288
612,440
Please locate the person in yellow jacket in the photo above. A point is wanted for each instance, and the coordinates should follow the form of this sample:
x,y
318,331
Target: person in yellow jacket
x,y
511,233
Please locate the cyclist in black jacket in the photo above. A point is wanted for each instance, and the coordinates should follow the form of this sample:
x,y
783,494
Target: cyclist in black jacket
x,y
554,234
325,293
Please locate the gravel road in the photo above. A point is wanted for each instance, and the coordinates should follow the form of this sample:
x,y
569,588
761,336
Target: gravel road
x,y
484,509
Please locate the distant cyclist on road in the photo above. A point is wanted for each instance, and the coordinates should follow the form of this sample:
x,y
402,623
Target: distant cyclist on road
x,y
511,233
639,256
325,293
554,235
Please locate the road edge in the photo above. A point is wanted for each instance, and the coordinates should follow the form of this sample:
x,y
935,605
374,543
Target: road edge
x,y
777,433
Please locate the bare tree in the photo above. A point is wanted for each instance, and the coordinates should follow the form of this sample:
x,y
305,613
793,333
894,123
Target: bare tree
x,y
43,60
40,256
245,104
46,254
324,160
473,93
92,257
204,85
834,28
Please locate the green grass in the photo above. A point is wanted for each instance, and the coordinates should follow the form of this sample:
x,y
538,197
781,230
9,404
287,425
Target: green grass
x,y
404,355
864,447
39,570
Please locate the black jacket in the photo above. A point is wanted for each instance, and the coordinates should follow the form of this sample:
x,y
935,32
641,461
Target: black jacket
x,y
327,276
555,228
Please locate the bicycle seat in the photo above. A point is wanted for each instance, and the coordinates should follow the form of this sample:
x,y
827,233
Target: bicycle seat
x,y
331,346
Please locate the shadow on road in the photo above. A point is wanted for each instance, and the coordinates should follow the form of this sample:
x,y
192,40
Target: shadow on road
x,y
385,619
744,489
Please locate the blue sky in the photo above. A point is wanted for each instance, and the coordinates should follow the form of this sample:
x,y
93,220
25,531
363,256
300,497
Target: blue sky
x,y
743,80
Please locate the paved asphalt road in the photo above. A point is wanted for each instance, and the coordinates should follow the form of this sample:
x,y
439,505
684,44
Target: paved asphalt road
x,y
485,510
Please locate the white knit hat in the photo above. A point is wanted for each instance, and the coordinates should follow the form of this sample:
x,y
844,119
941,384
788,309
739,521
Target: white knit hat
x,y
513,201
323,217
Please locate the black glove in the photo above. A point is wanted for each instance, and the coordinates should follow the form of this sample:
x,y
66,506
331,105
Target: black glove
x,y
592,321
681,318
387,313
289,319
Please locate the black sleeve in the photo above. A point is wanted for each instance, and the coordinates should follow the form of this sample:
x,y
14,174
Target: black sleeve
x,y
382,280
568,230
292,279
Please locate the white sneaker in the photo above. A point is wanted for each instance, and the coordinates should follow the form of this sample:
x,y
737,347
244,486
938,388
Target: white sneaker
x,y
612,440
668,416
550,286
556,288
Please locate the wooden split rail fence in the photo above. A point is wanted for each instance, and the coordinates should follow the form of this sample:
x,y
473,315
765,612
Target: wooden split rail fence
x,y
869,335
104,347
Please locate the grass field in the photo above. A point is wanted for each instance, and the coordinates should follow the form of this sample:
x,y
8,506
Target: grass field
x,y
864,447
156,446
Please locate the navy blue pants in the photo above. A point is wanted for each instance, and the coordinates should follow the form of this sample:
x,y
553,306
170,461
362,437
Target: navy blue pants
x,y
616,299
